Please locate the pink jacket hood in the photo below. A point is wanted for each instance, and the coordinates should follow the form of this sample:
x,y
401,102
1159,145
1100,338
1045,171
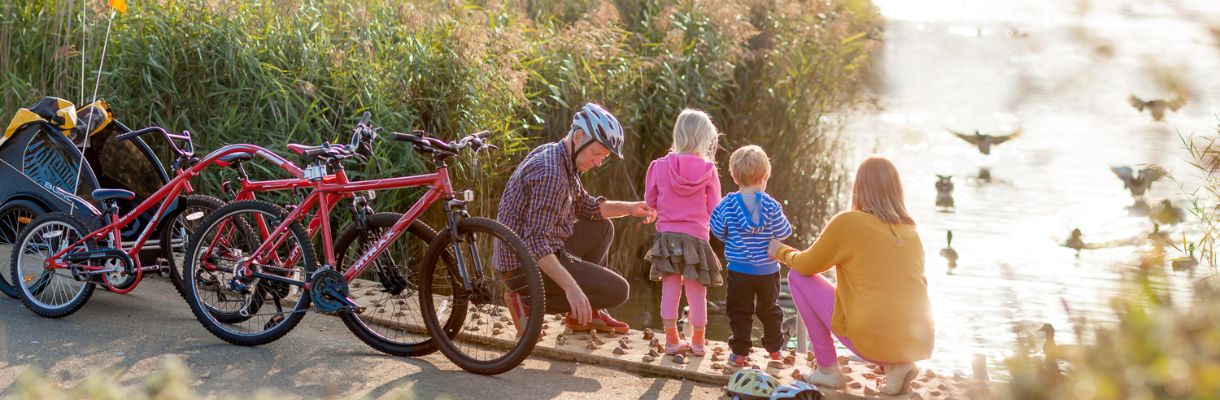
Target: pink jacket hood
x,y
688,174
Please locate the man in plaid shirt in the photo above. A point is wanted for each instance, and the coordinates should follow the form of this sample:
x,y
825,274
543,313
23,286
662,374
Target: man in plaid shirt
x,y
567,230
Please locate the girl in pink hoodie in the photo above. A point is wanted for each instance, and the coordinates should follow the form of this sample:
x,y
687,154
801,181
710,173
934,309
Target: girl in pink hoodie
x,y
684,188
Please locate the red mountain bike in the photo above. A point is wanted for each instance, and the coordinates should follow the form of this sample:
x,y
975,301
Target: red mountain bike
x,y
253,259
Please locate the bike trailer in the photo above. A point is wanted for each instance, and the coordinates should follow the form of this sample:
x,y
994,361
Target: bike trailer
x,y
41,163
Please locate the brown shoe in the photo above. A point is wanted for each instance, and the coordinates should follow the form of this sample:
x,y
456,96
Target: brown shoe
x,y
602,322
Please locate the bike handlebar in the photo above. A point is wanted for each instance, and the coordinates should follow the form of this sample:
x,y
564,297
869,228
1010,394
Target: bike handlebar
x,y
170,138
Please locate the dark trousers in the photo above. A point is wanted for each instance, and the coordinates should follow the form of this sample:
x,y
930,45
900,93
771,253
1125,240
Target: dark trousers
x,y
750,295
586,252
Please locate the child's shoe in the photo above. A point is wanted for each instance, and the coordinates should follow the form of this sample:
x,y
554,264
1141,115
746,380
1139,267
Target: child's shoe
x,y
673,341
738,360
776,356
697,341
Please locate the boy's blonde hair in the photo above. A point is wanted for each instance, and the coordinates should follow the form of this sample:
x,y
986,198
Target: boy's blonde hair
x,y
749,165
695,134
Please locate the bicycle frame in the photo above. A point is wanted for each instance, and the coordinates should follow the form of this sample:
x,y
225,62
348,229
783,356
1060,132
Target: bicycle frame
x,y
163,199
327,192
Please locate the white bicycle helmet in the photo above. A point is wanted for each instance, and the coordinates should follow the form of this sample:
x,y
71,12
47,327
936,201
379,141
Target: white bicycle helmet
x,y
598,124
798,390
750,383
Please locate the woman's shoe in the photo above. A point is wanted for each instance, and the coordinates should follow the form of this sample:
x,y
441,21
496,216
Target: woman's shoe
x,y
833,379
898,378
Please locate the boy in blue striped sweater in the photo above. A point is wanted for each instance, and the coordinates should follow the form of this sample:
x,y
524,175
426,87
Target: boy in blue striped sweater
x,y
746,221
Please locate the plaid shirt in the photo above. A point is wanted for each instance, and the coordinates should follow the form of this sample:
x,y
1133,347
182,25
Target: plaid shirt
x,y
541,202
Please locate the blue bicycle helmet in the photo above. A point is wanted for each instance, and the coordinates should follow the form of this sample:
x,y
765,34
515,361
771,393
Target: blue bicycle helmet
x,y
598,124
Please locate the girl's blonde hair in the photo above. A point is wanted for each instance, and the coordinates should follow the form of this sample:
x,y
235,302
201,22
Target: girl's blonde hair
x,y
695,134
878,191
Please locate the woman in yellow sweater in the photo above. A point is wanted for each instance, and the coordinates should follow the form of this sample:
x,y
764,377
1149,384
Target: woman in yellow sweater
x,y
880,309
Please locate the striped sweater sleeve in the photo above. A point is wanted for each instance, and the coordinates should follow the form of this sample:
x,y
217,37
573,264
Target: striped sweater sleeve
x,y
717,222
778,222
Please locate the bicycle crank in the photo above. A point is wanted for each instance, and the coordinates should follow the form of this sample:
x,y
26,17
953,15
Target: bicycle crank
x,y
329,293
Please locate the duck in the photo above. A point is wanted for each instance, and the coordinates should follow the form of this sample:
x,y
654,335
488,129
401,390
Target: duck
x,y
944,192
1157,236
1056,352
1186,263
1167,213
1138,182
984,174
1157,106
985,141
949,253
1075,241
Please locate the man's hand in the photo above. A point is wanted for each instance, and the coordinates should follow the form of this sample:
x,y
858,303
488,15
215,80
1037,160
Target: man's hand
x,y
642,210
581,310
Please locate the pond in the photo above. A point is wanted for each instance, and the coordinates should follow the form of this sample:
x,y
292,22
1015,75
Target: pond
x,y
1062,73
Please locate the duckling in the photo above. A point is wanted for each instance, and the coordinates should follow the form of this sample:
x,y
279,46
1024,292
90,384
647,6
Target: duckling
x,y
1167,213
1075,241
1138,183
944,192
984,174
787,329
1186,263
984,141
949,253
1157,107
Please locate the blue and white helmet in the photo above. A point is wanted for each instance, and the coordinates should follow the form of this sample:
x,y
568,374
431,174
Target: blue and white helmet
x,y
798,390
598,124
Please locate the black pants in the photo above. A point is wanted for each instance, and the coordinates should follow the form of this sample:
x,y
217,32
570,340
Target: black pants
x,y
586,252
750,295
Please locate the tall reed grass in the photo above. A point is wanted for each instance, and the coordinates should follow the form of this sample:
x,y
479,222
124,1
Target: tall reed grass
x,y
773,73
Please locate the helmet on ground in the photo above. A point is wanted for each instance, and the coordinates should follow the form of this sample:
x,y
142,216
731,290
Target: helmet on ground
x,y
750,383
598,124
798,390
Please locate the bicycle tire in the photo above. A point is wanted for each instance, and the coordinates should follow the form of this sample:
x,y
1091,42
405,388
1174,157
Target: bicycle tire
x,y
446,337
203,312
29,293
191,204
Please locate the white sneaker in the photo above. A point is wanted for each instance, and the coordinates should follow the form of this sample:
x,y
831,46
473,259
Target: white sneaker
x,y
898,378
833,379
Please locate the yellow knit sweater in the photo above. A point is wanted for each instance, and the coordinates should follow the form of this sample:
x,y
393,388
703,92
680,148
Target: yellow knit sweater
x,y
881,294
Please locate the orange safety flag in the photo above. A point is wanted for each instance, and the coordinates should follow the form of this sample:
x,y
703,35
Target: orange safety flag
x,y
119,5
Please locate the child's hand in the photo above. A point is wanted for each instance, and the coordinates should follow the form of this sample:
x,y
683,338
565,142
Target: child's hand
x,y
773,248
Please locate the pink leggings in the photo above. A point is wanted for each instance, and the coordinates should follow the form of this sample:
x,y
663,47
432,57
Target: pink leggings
x,y
696,297
815,302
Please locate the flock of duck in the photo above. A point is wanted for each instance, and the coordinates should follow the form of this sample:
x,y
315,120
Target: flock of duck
x,y
1136,180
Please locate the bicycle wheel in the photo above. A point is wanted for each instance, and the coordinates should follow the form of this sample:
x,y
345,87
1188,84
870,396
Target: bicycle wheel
x,y
179,226
215,293
389,287
49,292
487,342
14,216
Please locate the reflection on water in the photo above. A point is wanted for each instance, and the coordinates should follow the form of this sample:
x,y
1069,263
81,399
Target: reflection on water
x,y
1062,73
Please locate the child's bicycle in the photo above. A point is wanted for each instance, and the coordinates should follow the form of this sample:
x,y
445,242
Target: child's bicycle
x,y
58,259
271,279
